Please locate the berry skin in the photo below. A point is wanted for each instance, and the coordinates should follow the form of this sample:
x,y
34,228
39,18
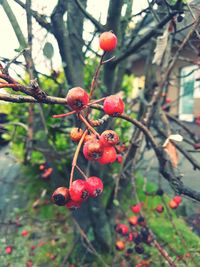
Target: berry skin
x,y
109,155
60,196
8,250
78,191
120,245
136,208
133,220
122,229
107,41
89,137
178,199
94,186
109,138
160,208
173,204
93,150
77,98
76,134
113,104
73,205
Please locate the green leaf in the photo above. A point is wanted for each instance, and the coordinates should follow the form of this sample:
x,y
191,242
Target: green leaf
x,y
48,50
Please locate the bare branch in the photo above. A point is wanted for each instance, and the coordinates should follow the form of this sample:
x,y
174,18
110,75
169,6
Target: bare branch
x,y
96,23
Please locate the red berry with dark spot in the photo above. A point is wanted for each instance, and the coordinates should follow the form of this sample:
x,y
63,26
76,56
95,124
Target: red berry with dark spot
x,y
136,208
107,41
78,191
76,134
173,204
93,149
113,105
119,158
133,220
109,138
160,208
73,204
94,186
76,98
122,229
60,196
109,155
120,245
177,199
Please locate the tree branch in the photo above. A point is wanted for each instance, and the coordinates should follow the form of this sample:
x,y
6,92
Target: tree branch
x,y
41,19
96,23
144,39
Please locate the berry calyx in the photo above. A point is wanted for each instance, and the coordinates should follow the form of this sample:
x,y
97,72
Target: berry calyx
x,y
76,134
178,199
93,149
60,196
120,245
109,138
109,155
78,191
113,105
94,186
107,41
76,98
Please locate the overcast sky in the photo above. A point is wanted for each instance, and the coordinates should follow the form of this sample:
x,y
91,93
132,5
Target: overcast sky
x,y
8,39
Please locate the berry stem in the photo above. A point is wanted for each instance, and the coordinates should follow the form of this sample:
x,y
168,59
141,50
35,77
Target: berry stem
x,y
88,125
65,114
81,172
96,75
74,161
96,101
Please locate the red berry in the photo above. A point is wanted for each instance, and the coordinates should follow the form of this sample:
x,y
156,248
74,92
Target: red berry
x,y
113,104
29,263
133,220
120,245
119,158
136,208
73,204
109,155
108,41
77,98
173,204
8,250
93,149
76,134
89,137
177,199
24,233
60,196
160,208
122,229
94,186
78,191
109,138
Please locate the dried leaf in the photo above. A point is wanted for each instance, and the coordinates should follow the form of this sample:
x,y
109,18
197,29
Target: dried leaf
x,y
176,137
172,152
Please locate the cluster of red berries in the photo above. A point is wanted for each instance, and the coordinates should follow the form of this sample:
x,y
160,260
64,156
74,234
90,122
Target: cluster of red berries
x,y
101,148
79,191
133,237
